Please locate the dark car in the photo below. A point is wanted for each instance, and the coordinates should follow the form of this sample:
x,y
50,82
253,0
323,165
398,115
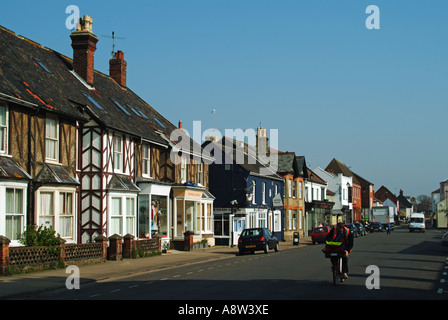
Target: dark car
x,y
256,239
376,226
319,234
361,228
353,229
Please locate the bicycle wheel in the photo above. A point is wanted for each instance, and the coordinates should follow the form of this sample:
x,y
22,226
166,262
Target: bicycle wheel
x,y
340,273
335,270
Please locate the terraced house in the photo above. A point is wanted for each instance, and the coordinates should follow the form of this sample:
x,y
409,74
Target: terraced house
x,y
81,152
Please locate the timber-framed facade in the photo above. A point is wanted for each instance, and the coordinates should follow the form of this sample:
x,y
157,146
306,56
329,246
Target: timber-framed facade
x,y
82,153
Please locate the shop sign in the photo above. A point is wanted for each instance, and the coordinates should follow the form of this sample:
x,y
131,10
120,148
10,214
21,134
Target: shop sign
x,y
190,194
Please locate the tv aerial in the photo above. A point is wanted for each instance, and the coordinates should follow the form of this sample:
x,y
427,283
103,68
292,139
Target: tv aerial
x,y
113,41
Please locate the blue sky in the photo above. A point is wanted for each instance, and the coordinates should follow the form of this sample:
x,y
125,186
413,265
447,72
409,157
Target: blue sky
x,y
374,99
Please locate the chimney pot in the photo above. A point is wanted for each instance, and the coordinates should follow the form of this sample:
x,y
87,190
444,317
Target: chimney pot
x,y
180,124
84,47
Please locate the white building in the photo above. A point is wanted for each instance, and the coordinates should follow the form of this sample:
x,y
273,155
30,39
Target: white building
x,y
341,186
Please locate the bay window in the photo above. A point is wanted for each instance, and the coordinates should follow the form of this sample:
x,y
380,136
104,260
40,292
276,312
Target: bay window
x,y
14,213
122,215
13,203
56,209
66,218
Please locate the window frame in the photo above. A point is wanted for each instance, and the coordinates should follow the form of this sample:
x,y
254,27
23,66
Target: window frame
x,y
118,163
55,140
146,161
263,192
3,209
124,215
56,208
200,174
5,129
183,169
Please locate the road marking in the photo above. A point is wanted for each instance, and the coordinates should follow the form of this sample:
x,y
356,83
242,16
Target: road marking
x,y
163,279
442,280
440,291
134,286
189,272
95,295
176,276
113,291
149,282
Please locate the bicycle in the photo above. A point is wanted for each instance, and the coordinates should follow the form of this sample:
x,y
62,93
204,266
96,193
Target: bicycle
x,y
335,251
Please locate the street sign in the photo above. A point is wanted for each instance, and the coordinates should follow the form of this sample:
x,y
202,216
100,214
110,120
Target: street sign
x,y
277,201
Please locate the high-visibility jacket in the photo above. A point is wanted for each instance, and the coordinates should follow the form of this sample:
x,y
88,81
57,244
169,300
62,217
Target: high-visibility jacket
x,y
347,239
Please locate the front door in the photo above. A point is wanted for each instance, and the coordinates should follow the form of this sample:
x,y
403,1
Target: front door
x,y
238,227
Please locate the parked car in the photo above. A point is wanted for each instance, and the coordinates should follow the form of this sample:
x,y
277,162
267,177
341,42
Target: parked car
x,y
256,239
319,234
376,226
361,228
353,229
445,240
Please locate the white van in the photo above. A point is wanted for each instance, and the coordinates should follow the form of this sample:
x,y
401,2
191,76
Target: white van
x,y
417,222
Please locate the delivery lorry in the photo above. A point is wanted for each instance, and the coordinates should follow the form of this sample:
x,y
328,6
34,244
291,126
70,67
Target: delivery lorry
x,y
417,222
383,215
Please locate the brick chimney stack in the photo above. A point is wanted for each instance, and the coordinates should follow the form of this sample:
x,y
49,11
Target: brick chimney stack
x,y
118,68
84,46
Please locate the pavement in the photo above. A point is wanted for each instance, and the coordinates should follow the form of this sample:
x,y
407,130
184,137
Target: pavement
x,y
29,284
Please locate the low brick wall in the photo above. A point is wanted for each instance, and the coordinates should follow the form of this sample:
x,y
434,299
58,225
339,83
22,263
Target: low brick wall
x,y
113,248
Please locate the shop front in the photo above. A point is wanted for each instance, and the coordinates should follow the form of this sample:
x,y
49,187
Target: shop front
x,y
193,211
318,212
230,223
154,210
341,215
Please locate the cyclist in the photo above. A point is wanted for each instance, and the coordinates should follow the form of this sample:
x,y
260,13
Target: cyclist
x,y
340,233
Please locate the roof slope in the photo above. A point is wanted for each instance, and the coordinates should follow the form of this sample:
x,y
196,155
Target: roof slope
x,y
231,153
45,77
335,166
